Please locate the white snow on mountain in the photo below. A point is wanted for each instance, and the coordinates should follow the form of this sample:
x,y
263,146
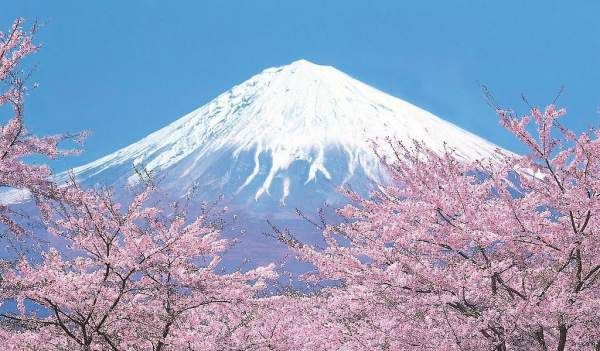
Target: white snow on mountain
x,y
279,131
301,111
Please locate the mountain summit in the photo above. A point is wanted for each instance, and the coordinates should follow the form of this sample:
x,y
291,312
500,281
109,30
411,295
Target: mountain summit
x,y
292,131
286,138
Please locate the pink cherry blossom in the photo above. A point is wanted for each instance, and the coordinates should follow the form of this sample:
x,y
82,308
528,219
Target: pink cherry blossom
x,y
134,279
486,255
16,143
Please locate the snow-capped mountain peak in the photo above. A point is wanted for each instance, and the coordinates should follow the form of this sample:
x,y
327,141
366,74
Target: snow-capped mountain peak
x,y
301,112
297,131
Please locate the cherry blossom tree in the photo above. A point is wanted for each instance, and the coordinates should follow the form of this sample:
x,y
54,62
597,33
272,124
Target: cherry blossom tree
x,y
490,255
117,278
132,278
16,144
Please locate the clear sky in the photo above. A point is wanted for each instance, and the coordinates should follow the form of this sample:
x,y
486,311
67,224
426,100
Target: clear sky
x,y
123,69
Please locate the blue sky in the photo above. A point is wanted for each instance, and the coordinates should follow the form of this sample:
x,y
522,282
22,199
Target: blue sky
x,y
123,69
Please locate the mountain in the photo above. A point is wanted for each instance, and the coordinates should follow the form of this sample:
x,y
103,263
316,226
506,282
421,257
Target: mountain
x,y
285,138
279,131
